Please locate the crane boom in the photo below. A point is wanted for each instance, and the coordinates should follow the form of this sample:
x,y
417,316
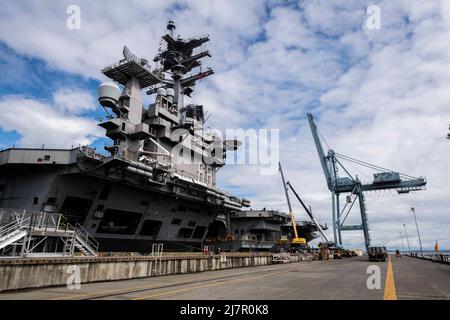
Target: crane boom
x,y
296,240
324,236
320,151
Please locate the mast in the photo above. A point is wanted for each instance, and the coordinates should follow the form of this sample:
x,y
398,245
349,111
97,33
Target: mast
x,y
133,128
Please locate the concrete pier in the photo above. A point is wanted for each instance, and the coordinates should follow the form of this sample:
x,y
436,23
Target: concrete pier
x,y
37,273
401,278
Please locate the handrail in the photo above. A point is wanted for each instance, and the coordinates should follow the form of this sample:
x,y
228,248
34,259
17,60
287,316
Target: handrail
x,y
38,220
12,214
46,221
13,226
8,225
86,237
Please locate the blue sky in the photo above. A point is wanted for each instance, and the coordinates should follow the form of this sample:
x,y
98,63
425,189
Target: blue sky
x,y
378,95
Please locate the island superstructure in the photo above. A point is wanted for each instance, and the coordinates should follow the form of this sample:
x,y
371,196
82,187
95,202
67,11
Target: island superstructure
x,y
157,181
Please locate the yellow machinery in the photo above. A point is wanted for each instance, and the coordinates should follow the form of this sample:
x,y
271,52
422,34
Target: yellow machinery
x,y
296,240
337,254
282,240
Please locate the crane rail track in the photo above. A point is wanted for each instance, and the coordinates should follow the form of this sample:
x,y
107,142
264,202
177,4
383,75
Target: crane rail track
x,y
194,281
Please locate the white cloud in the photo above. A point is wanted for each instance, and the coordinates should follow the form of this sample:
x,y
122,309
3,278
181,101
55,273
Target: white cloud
x,y
105,29
388,108
74,101
39,123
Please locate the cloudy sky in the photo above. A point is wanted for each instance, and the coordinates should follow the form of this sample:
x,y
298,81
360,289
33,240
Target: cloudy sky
x,y
379,95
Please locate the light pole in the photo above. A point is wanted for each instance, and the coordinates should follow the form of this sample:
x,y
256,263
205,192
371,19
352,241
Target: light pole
x,y
417,227
407,240
403,245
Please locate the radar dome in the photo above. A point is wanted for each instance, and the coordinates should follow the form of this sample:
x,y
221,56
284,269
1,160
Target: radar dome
x,y
108,94
170,92
161,92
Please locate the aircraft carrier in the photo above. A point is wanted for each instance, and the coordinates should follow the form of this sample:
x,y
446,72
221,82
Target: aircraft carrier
x,y
260,230
65,213
154,183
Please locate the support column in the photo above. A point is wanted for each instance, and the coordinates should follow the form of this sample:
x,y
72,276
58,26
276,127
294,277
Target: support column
x,y
333,201
338,209
134,90
228,217
24,244
130,146
365,224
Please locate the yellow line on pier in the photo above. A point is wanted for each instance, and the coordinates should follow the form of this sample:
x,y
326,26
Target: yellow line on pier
x,y
389,288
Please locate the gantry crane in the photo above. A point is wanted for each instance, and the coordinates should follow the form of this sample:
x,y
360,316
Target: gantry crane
x,y
297,240
351,185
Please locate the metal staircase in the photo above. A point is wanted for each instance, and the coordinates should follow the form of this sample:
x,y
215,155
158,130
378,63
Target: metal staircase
x,y
13,232
42,234
84,242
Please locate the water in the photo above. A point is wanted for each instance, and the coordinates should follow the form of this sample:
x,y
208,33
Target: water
x,y
425,252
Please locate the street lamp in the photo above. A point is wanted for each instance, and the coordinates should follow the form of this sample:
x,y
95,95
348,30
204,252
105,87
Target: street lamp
x,y
403,245
407,240
417,227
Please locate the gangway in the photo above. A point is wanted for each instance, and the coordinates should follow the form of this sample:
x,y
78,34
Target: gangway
x,y
42,234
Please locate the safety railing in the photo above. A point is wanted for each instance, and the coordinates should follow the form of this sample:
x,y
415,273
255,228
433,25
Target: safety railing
x,y
43,222
84,235
9,215
91,153
20,224
435,257
46,222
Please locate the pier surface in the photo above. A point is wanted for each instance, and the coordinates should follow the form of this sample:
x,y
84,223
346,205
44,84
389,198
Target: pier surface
x,y
406,278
